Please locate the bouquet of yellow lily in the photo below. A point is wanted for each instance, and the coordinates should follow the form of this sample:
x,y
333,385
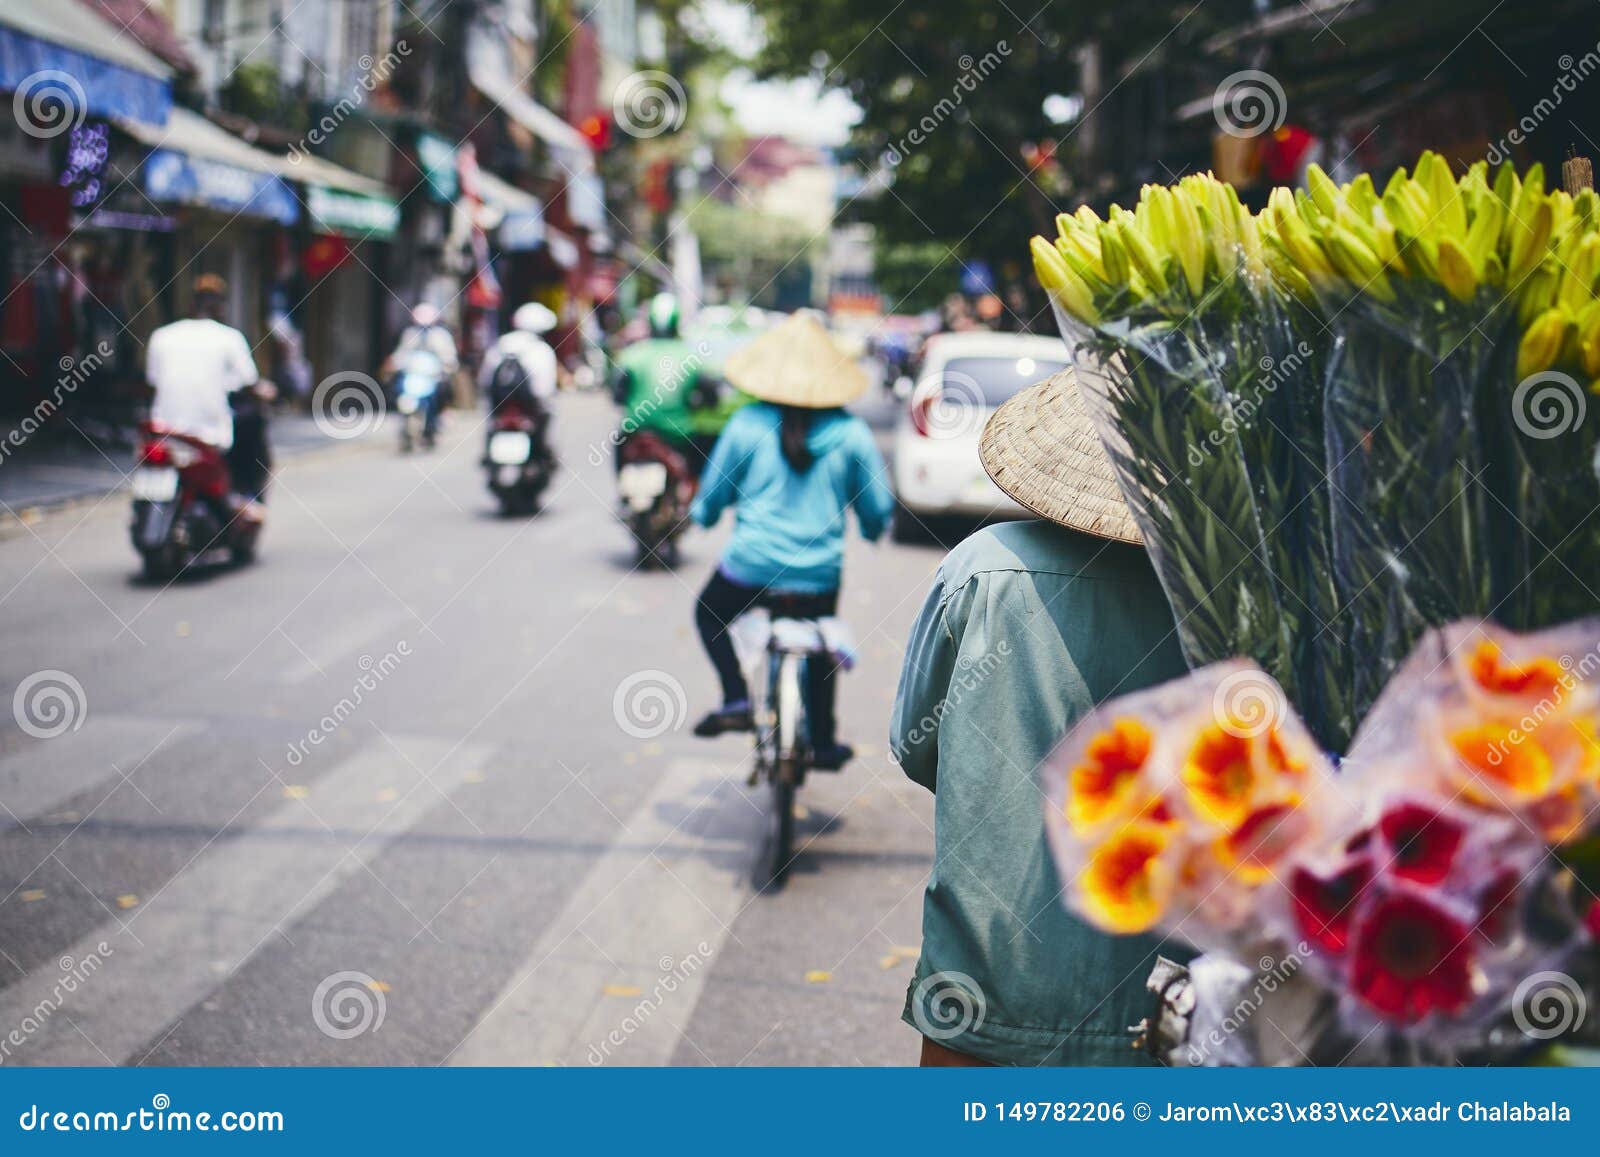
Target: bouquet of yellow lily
x,y
1183,346
1431,454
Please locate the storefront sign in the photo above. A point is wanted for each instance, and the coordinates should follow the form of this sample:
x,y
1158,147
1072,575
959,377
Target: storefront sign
x,y
170,176
519,232
437,157
351,214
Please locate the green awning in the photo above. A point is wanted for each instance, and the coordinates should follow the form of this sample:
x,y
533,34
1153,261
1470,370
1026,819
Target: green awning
x,y
353,215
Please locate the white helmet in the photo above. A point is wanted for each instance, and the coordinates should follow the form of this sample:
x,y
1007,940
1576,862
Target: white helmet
x,y
533,318
425,314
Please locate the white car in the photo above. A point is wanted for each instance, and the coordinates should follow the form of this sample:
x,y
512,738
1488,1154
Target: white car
x,y
964,378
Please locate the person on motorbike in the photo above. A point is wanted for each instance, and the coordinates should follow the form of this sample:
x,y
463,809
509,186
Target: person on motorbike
x,y
428,333
790,464
655,385
522,362
199,369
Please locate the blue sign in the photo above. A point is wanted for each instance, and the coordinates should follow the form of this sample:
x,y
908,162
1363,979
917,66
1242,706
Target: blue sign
x,y
519,231
172,176
976,278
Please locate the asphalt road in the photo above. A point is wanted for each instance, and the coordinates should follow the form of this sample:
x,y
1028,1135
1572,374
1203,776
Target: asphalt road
x,y
419,788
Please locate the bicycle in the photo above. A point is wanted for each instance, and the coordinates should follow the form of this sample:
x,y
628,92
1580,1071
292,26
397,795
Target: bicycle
x,y
783,750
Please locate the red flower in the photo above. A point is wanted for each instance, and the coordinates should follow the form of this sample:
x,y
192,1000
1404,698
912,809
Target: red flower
x,y
1499,906
1412,959
1422,841
1324,908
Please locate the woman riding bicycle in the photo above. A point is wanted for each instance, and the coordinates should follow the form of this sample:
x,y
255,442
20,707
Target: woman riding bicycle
x,y
790,464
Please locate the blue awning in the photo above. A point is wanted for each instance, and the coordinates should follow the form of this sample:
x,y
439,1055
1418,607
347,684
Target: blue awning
x,y
174,176
194,162
62,56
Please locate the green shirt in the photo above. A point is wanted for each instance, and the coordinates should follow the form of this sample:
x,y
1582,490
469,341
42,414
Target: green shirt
x,y
659,375
1027,627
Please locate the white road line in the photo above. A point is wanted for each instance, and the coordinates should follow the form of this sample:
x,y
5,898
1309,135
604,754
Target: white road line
x,y
618,972
225,904
325,654
38,779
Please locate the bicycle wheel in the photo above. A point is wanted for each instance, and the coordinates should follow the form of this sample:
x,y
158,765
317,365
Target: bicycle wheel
x,y
780,844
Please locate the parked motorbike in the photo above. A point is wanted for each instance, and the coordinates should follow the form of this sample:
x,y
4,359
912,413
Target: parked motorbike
x,y
656,485
184,511
518,456
419,395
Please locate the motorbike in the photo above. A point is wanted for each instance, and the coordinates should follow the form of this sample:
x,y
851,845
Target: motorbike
x,y
656,485
517,455
184,511
419,380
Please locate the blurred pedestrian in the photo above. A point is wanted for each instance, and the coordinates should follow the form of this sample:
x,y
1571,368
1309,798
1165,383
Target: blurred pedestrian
x,y
790,464
1028,626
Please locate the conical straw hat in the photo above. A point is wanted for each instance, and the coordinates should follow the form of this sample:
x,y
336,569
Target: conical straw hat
x,y
795,363
1041,448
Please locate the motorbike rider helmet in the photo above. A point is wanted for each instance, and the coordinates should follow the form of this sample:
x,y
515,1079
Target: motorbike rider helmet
x,y
533,318
425,315
663,315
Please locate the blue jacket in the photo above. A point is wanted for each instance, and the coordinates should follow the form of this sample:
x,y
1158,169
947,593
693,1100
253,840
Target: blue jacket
x,y
788,531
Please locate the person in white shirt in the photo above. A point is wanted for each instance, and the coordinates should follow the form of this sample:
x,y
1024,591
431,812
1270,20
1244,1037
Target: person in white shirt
x,y
530,354
193,365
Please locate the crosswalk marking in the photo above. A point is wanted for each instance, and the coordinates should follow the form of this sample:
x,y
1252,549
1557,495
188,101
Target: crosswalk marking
x,y
42,776
177,946
617,973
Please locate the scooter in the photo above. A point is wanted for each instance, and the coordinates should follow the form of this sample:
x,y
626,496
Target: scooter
x,y
418,382
184,511
517,455
656,485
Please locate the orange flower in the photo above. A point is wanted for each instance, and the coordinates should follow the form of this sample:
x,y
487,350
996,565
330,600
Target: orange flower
x,y
1281,757
1257,845
1103,785
1127,883
1559,816
1220,776
1498,764
1492,671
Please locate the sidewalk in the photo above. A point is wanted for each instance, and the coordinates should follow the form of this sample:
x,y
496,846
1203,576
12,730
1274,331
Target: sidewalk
x,y
50,473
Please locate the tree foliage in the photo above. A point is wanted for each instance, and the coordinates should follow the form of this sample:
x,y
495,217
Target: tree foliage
x,y
956,88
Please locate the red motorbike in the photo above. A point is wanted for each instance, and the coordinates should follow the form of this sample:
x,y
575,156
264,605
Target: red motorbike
x,y
656,484
517,454
185,513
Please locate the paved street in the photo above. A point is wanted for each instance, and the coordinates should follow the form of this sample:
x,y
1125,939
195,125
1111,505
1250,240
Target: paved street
x,y
418,788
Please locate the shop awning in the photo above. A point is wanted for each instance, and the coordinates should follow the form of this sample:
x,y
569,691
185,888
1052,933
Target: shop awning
x,y
194,162
521,216
490,69
69,53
